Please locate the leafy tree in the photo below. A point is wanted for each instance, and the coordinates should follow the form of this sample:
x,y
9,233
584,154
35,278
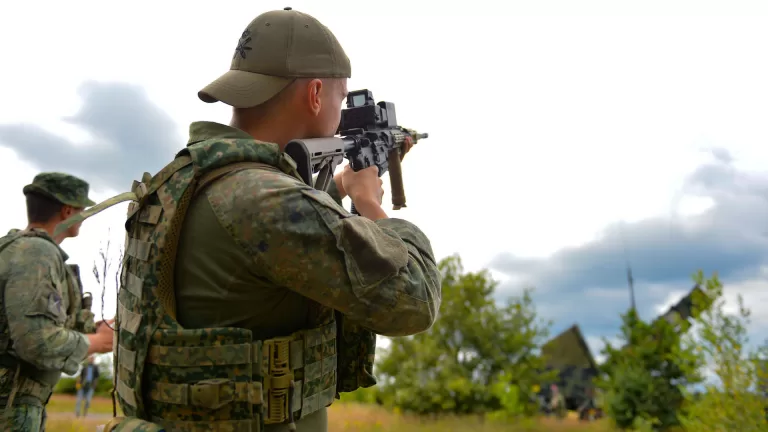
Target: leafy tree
x,y
735,400
641,380
456,366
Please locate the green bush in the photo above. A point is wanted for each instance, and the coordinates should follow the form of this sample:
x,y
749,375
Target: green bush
x,y
369,395
641,381
475,344
67,385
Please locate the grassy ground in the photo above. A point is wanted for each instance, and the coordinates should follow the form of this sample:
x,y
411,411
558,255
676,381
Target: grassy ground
x,y
342,418
364,418
65,404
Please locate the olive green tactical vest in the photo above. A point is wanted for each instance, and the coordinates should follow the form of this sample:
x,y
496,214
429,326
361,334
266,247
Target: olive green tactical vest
x,y
172,378
17,377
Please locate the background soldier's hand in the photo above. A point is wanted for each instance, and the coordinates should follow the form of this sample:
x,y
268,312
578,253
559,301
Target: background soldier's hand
x,y
110,323
101,341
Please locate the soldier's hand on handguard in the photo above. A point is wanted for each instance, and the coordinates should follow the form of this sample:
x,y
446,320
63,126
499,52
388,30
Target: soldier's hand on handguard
x,y
101,341
365,191
407,146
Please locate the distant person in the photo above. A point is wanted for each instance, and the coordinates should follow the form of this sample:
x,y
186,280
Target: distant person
x,y
86,385
557,402
44,329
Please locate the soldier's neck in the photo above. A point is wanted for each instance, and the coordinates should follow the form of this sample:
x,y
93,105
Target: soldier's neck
x,y
49,228
271,130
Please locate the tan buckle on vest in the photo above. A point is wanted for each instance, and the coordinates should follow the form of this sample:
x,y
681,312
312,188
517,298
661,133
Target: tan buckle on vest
x,y
213,393
109,427
278,380
140,189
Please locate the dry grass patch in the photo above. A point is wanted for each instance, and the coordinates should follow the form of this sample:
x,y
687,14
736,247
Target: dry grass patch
x,y
346,417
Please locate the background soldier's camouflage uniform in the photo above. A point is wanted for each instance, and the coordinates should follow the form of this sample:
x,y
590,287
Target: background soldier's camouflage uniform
x,y
41,320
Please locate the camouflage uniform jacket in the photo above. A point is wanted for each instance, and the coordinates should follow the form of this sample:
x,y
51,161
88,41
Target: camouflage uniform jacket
x,y
40,317
363,276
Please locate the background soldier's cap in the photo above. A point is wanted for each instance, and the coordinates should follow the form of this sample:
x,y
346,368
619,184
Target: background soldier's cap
x,y
65,188
276,48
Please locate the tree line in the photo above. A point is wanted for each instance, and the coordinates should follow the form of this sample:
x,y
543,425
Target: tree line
x,y
483,357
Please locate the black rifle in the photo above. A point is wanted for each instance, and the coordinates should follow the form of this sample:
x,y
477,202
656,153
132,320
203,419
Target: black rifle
x,y
368,135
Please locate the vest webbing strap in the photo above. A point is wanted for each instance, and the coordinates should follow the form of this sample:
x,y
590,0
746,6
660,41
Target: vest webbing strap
x,y
167,172
13,238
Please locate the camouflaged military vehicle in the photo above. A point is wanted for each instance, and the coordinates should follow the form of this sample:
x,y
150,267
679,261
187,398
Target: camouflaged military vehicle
x,y
679,314
569,353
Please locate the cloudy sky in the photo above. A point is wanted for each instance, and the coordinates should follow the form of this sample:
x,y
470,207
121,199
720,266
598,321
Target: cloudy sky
x,y
563,142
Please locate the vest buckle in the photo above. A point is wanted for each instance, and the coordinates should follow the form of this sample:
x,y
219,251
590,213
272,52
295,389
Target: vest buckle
x,y
213,393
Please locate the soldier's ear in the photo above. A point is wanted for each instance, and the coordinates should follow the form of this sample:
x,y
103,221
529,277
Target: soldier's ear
x,y
67,211
313,95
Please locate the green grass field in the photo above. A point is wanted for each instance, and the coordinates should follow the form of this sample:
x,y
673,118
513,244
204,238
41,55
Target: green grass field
x,y
346,417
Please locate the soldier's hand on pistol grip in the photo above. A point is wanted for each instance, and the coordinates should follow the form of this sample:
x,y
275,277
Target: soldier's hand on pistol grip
x,y
364,186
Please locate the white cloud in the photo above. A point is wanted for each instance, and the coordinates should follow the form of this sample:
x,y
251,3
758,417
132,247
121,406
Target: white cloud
x,y
693,205
543,128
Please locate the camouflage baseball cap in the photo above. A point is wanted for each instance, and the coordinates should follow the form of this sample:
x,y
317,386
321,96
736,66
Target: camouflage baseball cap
x,y
276,48
65,188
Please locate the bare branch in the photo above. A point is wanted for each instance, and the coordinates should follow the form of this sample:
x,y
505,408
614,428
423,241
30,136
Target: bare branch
x,y
101,274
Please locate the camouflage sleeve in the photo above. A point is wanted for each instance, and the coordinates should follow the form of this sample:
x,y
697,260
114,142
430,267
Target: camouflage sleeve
x,y
35,310
382,274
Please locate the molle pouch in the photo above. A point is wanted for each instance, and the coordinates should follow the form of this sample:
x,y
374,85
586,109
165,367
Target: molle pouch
x,y
356,354
130,424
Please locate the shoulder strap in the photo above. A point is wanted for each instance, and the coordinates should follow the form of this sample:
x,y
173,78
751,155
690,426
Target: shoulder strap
x,y
4,243
138,191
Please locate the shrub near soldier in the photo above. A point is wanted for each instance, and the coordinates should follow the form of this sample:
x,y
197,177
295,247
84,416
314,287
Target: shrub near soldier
x,y
263,251
42,323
